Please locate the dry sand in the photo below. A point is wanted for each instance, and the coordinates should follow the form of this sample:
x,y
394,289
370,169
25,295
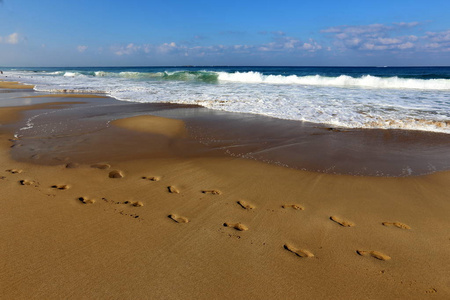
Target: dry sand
x,y
215,228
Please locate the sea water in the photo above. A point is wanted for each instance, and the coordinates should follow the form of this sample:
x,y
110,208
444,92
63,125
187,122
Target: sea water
x,y
410,98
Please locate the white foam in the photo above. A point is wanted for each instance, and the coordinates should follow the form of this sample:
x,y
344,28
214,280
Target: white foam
x,y
343,101
70,74
366,81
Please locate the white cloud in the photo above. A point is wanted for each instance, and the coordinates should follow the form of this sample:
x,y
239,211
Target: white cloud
x,y
438,37
126,50
82,48
284,43
407,24
168,47
373,37
437,41
389,41
280,44
381,37
12,39
407,45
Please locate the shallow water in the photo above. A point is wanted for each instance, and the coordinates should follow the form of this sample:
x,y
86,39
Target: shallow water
x,y
83,132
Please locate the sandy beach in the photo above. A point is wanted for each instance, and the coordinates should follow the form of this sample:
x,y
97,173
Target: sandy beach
x,y
145,207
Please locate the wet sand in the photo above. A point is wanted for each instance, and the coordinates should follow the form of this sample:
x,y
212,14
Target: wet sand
x,y
293,144
99,208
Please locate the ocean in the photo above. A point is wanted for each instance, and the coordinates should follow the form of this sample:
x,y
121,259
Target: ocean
x,y
410,98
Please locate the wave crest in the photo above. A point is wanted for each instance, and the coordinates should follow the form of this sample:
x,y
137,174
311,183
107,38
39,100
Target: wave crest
x,y
366,81
201,76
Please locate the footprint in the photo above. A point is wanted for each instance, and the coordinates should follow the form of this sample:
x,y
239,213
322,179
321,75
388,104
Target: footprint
x,y
72,165
151,178
60,186
14,171
28,182
298,252
116,174
237,226
138,204
374,254
396,224
86,200
294,206
101,166
173,190
245,204
178,219
342,222
212,192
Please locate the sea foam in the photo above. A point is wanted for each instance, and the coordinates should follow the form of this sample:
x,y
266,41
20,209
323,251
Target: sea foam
x,y
363,101
366,81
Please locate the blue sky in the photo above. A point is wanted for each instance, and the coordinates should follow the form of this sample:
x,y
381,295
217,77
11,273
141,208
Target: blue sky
x,y
172,32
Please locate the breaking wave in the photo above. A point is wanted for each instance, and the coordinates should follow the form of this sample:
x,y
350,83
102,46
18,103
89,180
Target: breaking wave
x,y
366,81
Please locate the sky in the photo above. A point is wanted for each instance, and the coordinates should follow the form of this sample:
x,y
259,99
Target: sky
x,y
245,32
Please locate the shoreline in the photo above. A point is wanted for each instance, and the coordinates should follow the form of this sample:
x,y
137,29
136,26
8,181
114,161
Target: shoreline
x,y
360,103
294,144
175,224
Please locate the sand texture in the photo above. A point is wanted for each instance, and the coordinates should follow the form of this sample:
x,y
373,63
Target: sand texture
x,y
213,227
153,124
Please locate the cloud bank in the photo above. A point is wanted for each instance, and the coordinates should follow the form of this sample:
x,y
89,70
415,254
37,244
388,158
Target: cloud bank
x,y
366,40
82,48
280,44
374,37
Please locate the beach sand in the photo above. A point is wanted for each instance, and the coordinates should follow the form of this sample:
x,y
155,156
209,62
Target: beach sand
x,y
164,225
